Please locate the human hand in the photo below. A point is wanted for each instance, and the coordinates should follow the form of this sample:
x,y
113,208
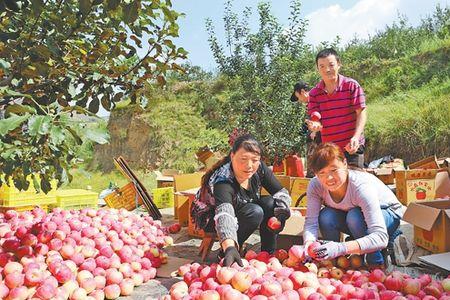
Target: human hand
x,y
330,250
306,245
231,255
314,126
302,96
353,145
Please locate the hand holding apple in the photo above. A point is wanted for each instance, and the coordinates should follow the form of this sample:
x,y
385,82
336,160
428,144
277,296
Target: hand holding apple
x,y
274,223
311,247
316,116
314,126
330,250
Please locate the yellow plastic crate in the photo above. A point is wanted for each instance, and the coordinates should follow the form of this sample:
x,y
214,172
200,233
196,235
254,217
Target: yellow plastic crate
x,y
23,208
11,193
163,197
125,197
30,200
75,199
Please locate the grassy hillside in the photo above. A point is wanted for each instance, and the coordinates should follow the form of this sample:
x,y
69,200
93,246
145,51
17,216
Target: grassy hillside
x,y
412,124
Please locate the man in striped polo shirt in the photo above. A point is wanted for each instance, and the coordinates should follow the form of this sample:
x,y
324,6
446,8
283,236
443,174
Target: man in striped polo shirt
x,y
341,103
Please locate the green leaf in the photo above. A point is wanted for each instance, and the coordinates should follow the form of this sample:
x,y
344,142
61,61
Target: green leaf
x,y
106,102
39,125
94,105
43,51
112,4
98,135
19,109
75,135
118,97
57,135
8,154
37,6
85,6
11,123
130,12
36,184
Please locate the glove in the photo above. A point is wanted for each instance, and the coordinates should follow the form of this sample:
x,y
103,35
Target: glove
x,y
231,256
330,250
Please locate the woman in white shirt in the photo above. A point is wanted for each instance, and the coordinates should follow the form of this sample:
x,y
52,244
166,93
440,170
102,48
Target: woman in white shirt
x,y
341,200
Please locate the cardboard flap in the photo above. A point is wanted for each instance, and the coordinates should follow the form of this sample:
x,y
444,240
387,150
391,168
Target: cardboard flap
x,y
421,215
426,163
442,184
441,260
384,171
447,212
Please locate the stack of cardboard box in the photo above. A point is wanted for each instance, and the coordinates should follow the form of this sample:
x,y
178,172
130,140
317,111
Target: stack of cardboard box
x,y
425,189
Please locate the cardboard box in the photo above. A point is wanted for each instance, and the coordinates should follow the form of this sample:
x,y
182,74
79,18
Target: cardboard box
x,y
386,175
184,182
431,220
285,182
426,163
415,185
299,185
163,180
292,233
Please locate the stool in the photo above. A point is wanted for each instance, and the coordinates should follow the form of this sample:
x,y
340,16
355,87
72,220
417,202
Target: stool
x,y
205,247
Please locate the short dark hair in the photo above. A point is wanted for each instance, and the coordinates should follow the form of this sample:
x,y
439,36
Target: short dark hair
x,y
301,85
327,52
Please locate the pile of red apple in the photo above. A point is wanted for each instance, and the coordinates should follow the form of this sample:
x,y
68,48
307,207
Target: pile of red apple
x,y
78,254
283,276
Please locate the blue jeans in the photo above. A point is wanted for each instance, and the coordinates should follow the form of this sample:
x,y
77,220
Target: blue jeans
x,y
334,221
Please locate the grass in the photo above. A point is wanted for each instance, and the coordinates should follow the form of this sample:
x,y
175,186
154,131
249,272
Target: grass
x,y
411,124
98,181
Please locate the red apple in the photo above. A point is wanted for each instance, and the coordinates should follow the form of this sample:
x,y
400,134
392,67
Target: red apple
x,y
250,254
273,223
411,286
281,254
356,261
315,116
241,281
175,228
342,262
297,253
311,248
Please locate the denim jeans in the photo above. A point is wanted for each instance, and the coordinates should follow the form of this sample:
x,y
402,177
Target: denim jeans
x,y
253,215
334,221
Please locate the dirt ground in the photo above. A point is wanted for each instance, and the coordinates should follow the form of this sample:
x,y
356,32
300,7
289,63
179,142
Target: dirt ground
x,y
187,247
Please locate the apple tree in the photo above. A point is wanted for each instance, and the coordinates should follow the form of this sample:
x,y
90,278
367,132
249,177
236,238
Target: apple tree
x,y
60,62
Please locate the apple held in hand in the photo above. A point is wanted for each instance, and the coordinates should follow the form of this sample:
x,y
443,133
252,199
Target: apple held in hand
x,y
274,223
315,116
311,248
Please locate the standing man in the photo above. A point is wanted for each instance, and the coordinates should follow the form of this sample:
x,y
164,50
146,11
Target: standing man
x,y
341,103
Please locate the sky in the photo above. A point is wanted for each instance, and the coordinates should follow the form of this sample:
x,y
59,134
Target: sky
x,y
327,19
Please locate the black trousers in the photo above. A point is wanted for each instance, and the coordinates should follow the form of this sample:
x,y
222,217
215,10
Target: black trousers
x,y
255,215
